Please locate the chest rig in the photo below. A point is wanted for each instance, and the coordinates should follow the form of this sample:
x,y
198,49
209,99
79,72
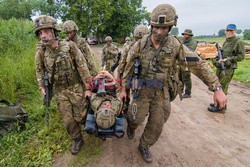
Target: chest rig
x,y
61,66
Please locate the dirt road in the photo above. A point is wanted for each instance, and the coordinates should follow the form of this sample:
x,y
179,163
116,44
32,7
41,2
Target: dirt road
x,y
192,136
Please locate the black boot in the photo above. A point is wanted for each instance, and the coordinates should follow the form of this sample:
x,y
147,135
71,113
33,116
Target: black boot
x,y
77,144
146,155
130,133
213,108
186,95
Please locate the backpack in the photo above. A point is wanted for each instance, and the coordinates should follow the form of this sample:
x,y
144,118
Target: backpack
x,y
11,116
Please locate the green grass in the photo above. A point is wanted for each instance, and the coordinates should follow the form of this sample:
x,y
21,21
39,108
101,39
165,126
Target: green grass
x,y
37,145
220,40
243,72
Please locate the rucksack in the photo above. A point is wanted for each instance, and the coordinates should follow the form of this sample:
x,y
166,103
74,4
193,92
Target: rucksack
x,y
11,116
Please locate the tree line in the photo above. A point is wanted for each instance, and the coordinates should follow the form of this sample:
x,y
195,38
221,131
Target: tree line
x,y
116,18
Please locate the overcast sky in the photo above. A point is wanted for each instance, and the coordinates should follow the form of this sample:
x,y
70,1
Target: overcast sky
x,y
207,17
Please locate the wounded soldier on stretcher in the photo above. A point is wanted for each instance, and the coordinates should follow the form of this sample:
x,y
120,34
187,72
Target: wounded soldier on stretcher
x,y
105,118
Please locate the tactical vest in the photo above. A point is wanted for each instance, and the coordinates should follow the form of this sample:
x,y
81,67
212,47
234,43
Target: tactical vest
x,y
166,64
65,73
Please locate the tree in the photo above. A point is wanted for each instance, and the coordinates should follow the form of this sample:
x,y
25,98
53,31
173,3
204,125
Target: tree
x,y
221,33
54,8
15,9
116,18
246,35
175,31
239,31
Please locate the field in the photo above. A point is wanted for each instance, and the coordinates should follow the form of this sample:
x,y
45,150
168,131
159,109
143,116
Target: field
x,y
39,145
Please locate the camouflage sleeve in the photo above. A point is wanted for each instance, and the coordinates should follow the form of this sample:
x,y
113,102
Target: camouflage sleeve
x,y
80,62
238,52
124,56
89,58
132,55
199,67
103,53
40,68
114,50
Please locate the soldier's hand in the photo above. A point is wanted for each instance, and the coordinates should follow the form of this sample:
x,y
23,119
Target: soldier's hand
x,y
222,60
220,98
87,94
123,95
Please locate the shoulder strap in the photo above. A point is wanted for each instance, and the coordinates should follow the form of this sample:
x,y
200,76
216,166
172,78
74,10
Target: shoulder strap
x,y
54,66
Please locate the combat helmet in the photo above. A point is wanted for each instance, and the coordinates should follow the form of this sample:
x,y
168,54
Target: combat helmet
x,y
140,31
163,15
108,38
105,118
69,26
43,22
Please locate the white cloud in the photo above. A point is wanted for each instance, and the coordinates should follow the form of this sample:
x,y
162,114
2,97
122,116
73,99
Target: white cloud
x,y
207,17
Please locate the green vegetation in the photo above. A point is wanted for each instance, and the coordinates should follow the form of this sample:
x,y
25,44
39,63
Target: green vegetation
x,y
243,71
216,39
37,145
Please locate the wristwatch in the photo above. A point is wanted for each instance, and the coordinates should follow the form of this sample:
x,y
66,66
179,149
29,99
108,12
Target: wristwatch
x,y
217,88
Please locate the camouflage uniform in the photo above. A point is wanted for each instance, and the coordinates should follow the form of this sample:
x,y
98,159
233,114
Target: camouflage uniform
x,y
127,43
69,80
184,72
233,51
155,102
84,47
109,53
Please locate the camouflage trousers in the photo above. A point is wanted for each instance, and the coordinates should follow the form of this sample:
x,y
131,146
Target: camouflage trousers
x,y
153,104
186,80
225,79
109,63
72,105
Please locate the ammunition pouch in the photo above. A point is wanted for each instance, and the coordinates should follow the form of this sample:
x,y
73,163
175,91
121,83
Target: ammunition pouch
x,y
116,130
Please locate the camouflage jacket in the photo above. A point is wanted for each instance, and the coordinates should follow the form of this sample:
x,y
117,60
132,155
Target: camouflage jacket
x,y
190,43
124,56
70,64
171,53
87,52
233,51
109,52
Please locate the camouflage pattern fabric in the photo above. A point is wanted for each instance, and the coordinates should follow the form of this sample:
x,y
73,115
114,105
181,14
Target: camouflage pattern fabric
x,y
184,72
155,102
69,81
233,51
88,53
109,55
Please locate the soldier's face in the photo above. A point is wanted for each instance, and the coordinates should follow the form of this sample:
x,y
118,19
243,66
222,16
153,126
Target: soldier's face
x,y
108,43
71,34
159,33
230,33
106,104
46,35
186,36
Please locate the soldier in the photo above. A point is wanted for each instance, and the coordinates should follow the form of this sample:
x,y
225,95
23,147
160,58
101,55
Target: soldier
x,y
185,74
67,70
70,29
233,52
158,53
127,42
106,105
109,53
139,31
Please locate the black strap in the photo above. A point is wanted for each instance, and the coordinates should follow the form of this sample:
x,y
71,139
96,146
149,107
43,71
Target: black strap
x,y
54,66
155,58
